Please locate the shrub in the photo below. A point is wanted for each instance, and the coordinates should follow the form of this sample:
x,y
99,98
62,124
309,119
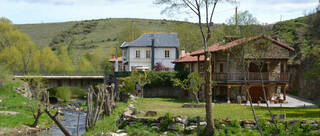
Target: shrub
x,y
161,78
67,93
139,129
166,122
127,84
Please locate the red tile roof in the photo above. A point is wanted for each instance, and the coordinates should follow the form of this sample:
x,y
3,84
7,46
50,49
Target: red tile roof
x,y
219,47
188,58
114,59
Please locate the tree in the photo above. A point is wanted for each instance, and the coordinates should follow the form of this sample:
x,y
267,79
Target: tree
x,y
197,7
243,18
192,83
142,79
10,57
127,84
65,64
48,60
5,20
4,75
24,49
85,66
98,59
129,33
10,36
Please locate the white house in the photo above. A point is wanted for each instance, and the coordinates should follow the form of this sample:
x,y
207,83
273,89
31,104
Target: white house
x,y
149,50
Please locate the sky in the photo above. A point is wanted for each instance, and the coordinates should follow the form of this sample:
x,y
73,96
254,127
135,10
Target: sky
x,y
45,11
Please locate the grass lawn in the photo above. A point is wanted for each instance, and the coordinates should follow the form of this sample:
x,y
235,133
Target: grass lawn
x,y
223,110
12,101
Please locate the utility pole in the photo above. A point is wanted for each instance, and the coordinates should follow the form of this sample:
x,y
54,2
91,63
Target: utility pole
x,y
237,21
132,30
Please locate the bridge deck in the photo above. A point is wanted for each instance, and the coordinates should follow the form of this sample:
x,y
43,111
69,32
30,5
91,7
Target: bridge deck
x,y
61,77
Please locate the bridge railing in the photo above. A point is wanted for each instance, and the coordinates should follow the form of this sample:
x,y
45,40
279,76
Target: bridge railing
x,y
59,74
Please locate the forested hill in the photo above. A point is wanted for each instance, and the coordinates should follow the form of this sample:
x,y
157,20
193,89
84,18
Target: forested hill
x,y
303,34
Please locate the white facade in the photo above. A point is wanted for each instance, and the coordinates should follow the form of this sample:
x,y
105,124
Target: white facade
x,y
131,60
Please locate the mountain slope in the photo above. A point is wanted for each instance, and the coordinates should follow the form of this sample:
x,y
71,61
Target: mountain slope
x,y
84,36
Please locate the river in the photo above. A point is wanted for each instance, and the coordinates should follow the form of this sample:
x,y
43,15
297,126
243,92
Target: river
x,y
70,115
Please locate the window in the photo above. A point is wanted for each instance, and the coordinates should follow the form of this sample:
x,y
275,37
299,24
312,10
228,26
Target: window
x,y
167,54
221,67
137,53
148,54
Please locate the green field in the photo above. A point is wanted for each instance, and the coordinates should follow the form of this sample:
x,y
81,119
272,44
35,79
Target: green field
x,y
223,110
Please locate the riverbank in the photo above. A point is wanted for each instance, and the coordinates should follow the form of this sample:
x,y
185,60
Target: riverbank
x,y
108,123
16,115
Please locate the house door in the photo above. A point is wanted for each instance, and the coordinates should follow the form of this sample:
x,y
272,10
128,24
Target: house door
x,y
257,94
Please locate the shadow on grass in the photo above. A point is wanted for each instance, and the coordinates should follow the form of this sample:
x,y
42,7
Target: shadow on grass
x,y
177,100
305,114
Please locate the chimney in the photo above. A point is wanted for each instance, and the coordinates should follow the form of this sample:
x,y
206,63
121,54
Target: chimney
x,y
116,64
152,54
183,53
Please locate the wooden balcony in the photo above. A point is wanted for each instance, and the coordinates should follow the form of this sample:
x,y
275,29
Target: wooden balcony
x,y
251,76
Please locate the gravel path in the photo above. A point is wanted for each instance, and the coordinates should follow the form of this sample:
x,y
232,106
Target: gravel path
x,y
293,101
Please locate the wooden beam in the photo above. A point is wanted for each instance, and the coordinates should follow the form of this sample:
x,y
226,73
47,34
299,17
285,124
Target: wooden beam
x,y
229,94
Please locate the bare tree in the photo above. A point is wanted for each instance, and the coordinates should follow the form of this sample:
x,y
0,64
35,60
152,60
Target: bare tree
x,y
41,103
104,98
203,10
258,55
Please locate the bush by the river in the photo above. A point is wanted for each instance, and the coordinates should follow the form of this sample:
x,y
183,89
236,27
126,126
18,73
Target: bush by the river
x,y
67,93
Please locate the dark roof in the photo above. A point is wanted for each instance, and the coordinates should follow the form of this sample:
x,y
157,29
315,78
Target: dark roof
x,y
219,47
160,40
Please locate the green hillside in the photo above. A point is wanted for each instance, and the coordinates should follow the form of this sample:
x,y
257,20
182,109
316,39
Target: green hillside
x,y
85,36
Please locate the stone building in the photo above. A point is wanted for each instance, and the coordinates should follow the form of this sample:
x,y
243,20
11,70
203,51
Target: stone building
x,y
245,62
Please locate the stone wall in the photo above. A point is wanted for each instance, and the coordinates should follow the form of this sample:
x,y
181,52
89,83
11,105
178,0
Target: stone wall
x,y
302,85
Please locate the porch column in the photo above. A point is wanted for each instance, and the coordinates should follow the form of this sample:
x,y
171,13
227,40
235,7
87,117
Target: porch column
x,y
228,61
214,93
229,93
247,96
285,66
198,63
214,62
285,92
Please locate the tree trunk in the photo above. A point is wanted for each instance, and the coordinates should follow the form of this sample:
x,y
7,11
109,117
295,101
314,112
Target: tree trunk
x,y
252,109
208,93
35,123
62,128
265,98
195,96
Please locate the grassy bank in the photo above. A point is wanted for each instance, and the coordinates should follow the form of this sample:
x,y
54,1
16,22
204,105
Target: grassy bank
x,y
12,101
108,123
223,110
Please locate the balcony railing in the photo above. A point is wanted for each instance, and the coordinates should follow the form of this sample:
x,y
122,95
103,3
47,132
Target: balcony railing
x,y
267,76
